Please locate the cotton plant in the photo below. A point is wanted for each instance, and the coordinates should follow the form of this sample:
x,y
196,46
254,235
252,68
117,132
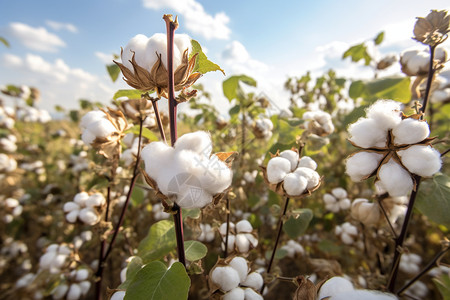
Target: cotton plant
x,y
33,115
187,174
318,122
12,208
416,62
441,88
347,232
241,236
7,163
85,208
7,117
55,258
393,147
337,200
207,234
410,263
293,248
262,128
8,143
75,286
291,175
366,212
233,280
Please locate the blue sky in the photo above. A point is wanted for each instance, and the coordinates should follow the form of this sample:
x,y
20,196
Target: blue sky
x,y
61,46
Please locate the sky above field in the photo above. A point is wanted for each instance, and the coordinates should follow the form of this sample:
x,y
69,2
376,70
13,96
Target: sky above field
x,y
61,47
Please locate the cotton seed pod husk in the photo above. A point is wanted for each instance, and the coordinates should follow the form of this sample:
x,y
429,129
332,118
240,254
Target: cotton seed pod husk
x,y
369,219
306,289
136,109
432,29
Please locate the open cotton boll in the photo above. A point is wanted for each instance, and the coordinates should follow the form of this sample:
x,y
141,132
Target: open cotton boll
x,y
252,239
421,160
223,228
335,286
91,117
386,113
241,266
244,226
182,42
60,291
193,197
250,294
72,216
410,131
70,206
216,176
365,212
339,193
294,184
234,294
242,243
277,168
363,294
231,242
96,199
101,128
292,157
367,133
253,280
119,295
81,198
88,137
394,179
198,142
227,278
362,164
88,216
310,175
137,46
307,162
74,292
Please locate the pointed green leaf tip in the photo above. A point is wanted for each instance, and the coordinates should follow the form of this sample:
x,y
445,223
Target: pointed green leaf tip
x,y
298,222
379,39
357,53
156,282
203,64
113,71
231,86
4,42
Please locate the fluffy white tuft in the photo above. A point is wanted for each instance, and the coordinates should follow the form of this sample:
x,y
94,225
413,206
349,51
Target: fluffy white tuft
x,y
363,294
277,169
395,179
421,160
240,265
244,226
386,113
250,294
335,286
367,133
295,184
234,294
292,157
362,164
227,278
307,162
410,131
254,280
310,175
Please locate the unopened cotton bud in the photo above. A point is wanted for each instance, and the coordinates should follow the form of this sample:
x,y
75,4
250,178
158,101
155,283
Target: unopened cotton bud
x,y
292,157
244,226
410,131
335,286
227,278
394,179
295,184
250,294
277,169
234,294
421,160
362,164
253,280
241,266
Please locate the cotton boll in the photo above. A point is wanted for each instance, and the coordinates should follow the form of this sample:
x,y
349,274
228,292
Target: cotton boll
x,y
223,228
157,157
241,266
91,117
82,274
292,157
252,239
410,131
277,168
85,286
81,198
307,162
101,128
421,160
231,242
198,142
396,180
362,164
227,278
72,216
193,197
385,113
294,184
367,133
339,193
250,294
234,294
137,46
119,295
254,280
310,175
363,294
244,226
335,286
60,291
88,216
46,260
242,243
70,206
365,212
96,199
74,292
88,137
215,176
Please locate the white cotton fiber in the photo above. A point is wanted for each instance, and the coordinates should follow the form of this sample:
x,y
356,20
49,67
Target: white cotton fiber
x,y
367,133
254,280
386,113
410,131
335,286
252,239
88,137
362,164
199,142
310,175
294,184
81,198
250,294
101,128
292,157
240,265
69,206
421,160
307,162
216,176
74,292
242,243
136,45
277,169
234,294
96,199
193,197
91,117
223,228
363,294
72,216
88,216
339,193
226,278
244,226
119,295
231,242
395,179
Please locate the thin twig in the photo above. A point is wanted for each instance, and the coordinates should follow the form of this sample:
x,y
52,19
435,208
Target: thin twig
x,y
431,71
158,119
445,152
225,254
380,202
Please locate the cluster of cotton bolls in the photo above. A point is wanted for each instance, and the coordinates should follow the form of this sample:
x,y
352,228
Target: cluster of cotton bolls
x,y
293,248
263,128
337,200
249,177
240,236
7,163
410,263
207,233
81,239
75,286
318,122
441,90
8,143
340,288
158,212
32,114
12,209
236,281
84,207
366,212
55,258
79,162
408,144
96,124
35,167
129,155
347,232
7,117
187,173
12,248
416,62
297,174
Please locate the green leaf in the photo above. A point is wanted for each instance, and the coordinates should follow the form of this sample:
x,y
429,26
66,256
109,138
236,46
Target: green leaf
x,y
194,250
354,115
147,133
443,285
137,196
298,222
357,89
134,266
113,71
131,94
379,39
156,282
85,104
433,199
4,42
193,213
203,64
358,52
159,241
235,110
231,87
328,246
395,88
278,255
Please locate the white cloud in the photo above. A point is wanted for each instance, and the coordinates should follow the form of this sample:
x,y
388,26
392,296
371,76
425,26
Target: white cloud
x,y
61,26
105,58
237,60
197,19
11,60
38,39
